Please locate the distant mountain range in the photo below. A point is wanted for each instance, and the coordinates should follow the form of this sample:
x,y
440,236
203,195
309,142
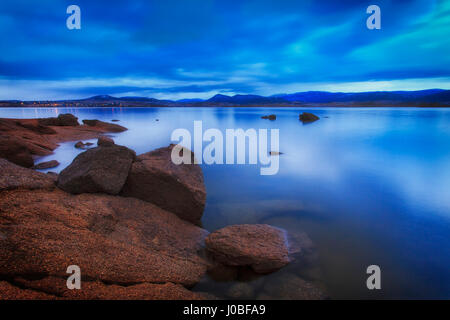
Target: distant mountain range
x,y
438,97
433,95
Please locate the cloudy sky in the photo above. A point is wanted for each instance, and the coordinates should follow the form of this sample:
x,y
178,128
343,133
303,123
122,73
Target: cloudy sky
x,y
197,48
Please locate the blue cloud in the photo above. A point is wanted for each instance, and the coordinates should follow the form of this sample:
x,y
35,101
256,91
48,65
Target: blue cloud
x,y
221,46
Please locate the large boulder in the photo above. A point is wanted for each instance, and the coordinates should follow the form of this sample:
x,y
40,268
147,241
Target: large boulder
x,y
63,120
15,177
262,247
112,239
306,117
98,170
177,188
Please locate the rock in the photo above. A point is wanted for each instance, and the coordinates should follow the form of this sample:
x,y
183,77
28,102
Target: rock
x,y
63,120
15,177
105,141
308,117
275,153
46,165
262,247
15,151
102,169
115,240
240,290
270,117
291,287
96,290
53,176
10,292
79,145
177,188
110,127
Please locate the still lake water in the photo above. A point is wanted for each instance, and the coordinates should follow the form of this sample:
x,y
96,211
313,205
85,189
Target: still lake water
x,y
369,186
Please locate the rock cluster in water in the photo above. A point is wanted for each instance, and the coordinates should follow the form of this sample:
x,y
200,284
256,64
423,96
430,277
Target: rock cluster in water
x,y
131,223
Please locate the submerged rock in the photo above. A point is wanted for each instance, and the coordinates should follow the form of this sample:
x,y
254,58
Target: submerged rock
x,y
103,169
262,247
177,188
46,165
308,117
241,290
291,287
105,141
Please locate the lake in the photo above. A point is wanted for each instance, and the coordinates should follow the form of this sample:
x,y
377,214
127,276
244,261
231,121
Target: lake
x,y
370,186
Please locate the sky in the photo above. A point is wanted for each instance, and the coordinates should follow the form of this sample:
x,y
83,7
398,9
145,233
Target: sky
x,y
169,49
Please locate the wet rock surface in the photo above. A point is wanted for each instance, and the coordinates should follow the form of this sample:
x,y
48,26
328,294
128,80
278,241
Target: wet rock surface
x,y
262,247
99,170
177,188
270,117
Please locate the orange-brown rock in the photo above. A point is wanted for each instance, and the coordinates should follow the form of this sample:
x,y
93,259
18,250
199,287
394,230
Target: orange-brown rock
x,y
108,127
112,239
53,287
177,188
15,177
23,139
262,247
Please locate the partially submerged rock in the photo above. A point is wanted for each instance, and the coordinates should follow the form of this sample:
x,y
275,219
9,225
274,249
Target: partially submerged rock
x,y
15,177
98,170
270,117
308,117
46,165
262,247
291,287
105,141
109,127
177,188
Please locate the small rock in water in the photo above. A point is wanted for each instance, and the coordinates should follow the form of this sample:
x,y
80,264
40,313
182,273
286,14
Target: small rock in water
x,y
308,117
105,141
270,117
262,247
275,153
46,165
291,287
79,145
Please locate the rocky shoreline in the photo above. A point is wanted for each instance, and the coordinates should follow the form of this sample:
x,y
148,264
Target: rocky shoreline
x,y
132,223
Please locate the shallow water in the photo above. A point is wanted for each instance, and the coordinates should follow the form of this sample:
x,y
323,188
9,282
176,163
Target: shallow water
x,y
369,186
